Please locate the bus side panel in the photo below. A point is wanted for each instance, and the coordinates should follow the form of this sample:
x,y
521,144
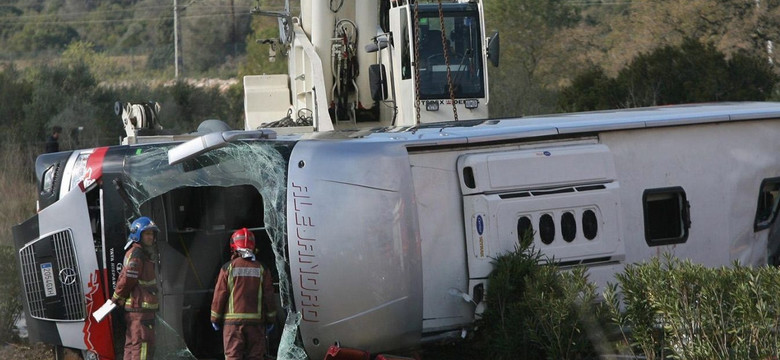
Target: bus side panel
x,y
719,166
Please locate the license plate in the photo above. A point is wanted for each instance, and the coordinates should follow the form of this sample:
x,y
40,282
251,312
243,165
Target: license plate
x,y
47,273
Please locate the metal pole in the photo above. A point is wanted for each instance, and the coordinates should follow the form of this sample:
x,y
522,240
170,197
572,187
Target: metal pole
x,y
769,44
176,38
233,34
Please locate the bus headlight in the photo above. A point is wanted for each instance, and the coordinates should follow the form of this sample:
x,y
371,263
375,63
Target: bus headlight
x,y
432,106
472,104
79,169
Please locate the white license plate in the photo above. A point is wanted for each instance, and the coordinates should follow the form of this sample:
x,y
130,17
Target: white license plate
x,y
47,273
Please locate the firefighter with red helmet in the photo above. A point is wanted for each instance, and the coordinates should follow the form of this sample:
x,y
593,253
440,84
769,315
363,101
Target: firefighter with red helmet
x,y
136,288
243,300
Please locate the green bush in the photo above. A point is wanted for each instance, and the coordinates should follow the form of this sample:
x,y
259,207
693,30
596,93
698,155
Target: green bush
x,y
538,311
692,72
672,308
666,308
10,294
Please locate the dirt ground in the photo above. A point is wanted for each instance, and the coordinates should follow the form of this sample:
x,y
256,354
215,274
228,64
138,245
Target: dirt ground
x,y
45,352
26,351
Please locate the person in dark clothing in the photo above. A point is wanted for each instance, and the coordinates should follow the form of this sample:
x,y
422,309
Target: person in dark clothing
x,y
243,301
52,143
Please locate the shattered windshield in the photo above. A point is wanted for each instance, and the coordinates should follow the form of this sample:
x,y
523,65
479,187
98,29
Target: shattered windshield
x,y
148,178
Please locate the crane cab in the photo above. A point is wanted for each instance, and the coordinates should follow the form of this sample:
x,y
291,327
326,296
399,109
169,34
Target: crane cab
x,y
375,63
442,56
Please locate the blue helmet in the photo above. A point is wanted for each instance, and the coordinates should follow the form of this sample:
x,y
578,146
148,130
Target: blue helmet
x,y
138,226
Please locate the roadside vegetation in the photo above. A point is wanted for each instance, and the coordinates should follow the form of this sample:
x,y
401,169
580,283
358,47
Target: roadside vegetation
x,y
664,308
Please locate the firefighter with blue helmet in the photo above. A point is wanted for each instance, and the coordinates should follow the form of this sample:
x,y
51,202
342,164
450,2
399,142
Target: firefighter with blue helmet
x,y
243,301
136,289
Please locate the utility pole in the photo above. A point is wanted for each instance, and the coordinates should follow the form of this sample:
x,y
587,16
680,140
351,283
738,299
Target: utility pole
x,y
177,51
233,36
176,38
769,44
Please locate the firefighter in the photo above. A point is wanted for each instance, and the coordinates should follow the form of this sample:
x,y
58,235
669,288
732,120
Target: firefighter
x,y
137,289
243,300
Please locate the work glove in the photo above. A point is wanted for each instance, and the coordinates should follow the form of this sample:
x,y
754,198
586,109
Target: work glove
x,y
215,326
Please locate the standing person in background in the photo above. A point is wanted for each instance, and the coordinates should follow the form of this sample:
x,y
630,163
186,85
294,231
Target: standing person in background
x,y
243,300
136,288
52,143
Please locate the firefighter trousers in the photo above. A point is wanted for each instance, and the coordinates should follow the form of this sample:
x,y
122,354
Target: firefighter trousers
x,y
139,338
244,341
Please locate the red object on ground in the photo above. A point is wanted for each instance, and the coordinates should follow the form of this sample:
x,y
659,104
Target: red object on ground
x,y
336,352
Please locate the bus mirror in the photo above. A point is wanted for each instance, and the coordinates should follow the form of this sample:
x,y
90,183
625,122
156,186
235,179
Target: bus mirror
x,y
371,48
378,81
494,48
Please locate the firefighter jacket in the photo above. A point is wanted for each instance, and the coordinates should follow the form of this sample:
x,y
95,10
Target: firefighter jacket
x,y
137,284
244,293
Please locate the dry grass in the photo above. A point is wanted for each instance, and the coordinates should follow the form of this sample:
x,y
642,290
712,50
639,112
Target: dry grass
x,y
130,62
17,187
26,351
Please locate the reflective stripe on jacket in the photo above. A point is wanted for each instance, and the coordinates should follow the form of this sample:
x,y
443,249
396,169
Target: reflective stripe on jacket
x,y
244,293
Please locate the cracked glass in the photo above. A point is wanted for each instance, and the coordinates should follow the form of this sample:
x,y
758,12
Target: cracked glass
x,y
261,164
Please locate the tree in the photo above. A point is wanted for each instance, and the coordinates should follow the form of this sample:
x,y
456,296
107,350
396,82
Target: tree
x,y
83,53
9,20
690,73
14,93
257,54
162,51
614,34
750,77
528,68
591,90
55,89
214,34
106,27
47,33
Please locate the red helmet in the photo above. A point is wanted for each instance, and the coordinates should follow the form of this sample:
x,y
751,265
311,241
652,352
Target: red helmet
x,y
243,239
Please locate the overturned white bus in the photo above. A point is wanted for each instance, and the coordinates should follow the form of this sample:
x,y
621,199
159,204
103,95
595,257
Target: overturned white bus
x,y
370,233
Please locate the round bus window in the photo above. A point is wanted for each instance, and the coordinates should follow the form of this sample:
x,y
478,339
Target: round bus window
x,y
546,229
568,226
524,228
590,226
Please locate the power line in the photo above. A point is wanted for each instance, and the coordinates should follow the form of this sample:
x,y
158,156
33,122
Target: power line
x,y
98,21
598,2
60,18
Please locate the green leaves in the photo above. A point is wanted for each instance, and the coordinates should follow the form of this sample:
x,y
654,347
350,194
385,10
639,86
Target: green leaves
x,y
677,309
690,73
665,308
536,311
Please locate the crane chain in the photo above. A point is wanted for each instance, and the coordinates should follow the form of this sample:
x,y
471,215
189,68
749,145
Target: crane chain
x,y
416,64
446,48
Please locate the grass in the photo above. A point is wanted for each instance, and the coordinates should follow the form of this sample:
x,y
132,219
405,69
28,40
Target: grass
x,y
18,191
17,187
